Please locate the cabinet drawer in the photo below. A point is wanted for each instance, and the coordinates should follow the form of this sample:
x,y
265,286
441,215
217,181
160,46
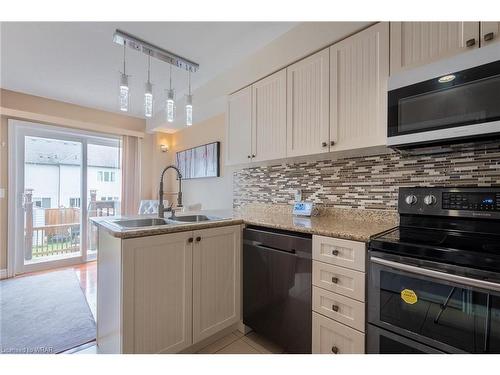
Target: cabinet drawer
x,y
340,280
344,253
342,309
330,337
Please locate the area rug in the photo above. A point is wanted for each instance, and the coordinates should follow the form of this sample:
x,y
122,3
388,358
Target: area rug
x,y
44,314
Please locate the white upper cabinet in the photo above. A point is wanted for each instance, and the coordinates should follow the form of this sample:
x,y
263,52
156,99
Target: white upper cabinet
x,y
308,105
490,33
269,117
359,69
419,43
239,127
216,280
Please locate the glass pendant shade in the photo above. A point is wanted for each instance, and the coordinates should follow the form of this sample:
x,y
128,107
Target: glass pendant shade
x,y
170,106
148,100
189,110
124,93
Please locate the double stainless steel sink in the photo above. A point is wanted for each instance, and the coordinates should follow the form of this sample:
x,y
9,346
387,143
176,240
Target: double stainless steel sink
x,y
154,222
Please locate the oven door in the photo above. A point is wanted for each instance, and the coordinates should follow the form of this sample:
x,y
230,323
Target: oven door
x,y
442,310
453,106
380,341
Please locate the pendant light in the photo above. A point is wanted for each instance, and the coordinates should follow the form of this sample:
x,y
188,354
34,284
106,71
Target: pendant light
x,y
124,91
170,100
148,93
189,103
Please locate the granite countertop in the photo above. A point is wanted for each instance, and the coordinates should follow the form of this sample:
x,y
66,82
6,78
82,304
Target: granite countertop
x,y
350,224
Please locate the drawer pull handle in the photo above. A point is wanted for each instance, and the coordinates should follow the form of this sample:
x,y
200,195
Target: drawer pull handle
x,y
489,36
190,239
335,350
335,280
470,42
198,239
335,308
335,252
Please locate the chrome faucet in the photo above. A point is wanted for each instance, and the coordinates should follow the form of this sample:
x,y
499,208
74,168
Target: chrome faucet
x,y
161,208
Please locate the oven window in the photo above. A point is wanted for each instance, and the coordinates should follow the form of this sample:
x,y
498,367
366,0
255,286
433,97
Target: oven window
x,y
469,103
454,315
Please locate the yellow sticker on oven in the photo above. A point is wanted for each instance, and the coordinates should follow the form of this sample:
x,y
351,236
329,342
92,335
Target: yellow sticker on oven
x,y
409,296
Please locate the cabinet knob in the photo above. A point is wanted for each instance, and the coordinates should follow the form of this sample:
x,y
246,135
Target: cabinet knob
x,y
470,42
335,308
253,155
332,143
335,252
190,239
324,144
489,36
249,156
335,280
198,239
335,350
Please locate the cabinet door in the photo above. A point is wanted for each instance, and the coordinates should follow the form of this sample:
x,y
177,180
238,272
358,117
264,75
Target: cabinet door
x,y
330,337
308,105
269,117
239,127
216,280
359,68
490,33
419,43
157,293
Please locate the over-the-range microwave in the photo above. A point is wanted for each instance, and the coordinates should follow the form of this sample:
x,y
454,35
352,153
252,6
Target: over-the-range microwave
x,y
452,99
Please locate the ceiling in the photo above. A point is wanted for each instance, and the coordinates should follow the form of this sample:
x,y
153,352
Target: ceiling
x,y
78,63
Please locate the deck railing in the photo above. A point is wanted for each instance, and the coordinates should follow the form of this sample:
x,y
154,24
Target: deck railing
x,y
57,239
60,234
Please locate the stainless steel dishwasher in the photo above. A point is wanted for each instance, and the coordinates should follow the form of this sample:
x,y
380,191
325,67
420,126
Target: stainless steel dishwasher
x,y
277,286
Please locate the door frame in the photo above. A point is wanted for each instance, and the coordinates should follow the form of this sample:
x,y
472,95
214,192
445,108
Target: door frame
x,y
15,225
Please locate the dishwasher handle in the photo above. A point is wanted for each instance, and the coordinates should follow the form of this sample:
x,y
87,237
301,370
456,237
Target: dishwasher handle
x,y
270,248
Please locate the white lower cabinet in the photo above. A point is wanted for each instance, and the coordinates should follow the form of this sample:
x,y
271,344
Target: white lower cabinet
x,y
331,337
157,293
338,298
216,280
164,293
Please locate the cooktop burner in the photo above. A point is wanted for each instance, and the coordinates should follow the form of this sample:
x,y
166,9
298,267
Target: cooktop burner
x,y
430,228
475,250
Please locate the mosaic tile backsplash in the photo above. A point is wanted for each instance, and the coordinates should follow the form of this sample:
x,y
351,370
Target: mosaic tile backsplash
x,y
369,182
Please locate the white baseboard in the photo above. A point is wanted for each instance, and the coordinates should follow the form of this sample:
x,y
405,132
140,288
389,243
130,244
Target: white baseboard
x,y
3,274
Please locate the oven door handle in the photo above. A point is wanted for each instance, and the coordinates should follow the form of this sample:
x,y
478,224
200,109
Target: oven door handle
x,y
467,281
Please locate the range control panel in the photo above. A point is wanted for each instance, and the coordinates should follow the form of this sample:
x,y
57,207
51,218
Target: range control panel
x,y
467,202
471,201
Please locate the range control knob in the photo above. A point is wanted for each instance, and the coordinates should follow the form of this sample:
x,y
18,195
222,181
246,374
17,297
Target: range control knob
x,y
410,200
430,200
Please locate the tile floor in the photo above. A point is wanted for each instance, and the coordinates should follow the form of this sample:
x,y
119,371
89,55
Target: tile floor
x,y
233,343
237,343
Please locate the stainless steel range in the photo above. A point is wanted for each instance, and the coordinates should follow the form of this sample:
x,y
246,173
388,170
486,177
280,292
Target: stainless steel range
x,y
434,281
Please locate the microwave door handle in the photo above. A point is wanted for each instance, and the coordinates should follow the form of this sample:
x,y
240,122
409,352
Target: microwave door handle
x,y
438,275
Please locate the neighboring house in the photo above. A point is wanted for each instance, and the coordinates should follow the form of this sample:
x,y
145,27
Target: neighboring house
x,y
53,171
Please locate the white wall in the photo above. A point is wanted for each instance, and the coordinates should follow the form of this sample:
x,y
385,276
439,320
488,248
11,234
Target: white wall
x,y
214,192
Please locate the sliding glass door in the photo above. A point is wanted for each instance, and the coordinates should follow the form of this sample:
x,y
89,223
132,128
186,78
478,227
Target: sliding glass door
x,y
62,178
